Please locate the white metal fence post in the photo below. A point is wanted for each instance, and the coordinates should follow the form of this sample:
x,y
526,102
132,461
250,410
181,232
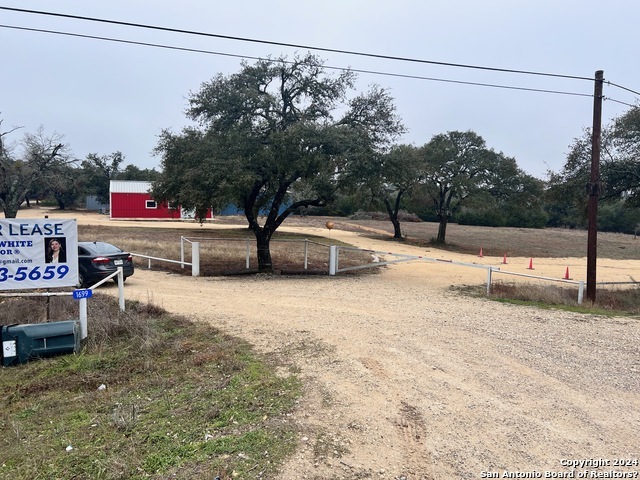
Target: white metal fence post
x,y
248,255
333,259
121,288
195,259
489,271
83,318
181,252
306,253
580,292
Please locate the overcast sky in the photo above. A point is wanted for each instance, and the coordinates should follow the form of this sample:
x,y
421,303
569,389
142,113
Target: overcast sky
x,y
106,97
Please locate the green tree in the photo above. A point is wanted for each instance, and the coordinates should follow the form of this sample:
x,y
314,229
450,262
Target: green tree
x,y
567,189
619,171
518,196
67,184
623,174
391,177
100,170
275,137
456,164
616,216
510,198
132,172
525,207
19,172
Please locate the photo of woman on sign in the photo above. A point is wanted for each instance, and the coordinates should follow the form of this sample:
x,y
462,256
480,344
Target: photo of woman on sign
x,y
55,250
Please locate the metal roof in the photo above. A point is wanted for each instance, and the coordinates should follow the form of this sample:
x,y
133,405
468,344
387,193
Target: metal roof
x,y
129,186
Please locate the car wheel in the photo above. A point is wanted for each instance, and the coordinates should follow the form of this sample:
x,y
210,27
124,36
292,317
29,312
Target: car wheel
x,y
81,281
115,279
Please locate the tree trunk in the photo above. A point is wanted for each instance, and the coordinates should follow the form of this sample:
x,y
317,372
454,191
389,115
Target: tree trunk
x,y
265,264
60,201
442,229
10,209
393,216
397,233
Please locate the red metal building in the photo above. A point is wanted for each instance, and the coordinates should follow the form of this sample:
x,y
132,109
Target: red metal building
x,y
131,199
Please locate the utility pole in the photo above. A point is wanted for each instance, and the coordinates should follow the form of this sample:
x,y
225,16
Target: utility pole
x,y
593,187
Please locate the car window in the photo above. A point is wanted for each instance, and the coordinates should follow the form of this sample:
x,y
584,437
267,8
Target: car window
x,y
98,248
105,248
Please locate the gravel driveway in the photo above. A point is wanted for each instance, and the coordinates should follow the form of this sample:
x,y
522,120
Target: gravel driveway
x,y
407,379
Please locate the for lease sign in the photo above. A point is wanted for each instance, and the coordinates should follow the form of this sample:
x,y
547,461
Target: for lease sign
x,y
38,253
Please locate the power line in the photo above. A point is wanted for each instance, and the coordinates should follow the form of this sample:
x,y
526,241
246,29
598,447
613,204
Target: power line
x,y
293,45
479,84
623,88
372,72
618,101
348,52
131,42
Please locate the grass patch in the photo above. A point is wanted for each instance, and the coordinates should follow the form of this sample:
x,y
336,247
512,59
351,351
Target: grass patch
x,y
620,302
180,400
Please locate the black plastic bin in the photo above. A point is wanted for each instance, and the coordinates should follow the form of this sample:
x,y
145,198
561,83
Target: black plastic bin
x,y
21,343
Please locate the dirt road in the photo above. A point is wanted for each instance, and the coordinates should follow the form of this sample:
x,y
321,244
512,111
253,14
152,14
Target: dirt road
x,y
406,379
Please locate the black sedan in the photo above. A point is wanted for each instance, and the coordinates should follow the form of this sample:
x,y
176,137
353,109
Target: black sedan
x,y
97,260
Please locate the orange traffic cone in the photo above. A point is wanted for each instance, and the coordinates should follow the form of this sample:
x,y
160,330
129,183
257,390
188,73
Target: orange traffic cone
x,y
480,254
531,264
504,260
566,274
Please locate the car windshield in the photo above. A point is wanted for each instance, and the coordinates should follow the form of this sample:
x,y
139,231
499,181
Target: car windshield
x,y
102,248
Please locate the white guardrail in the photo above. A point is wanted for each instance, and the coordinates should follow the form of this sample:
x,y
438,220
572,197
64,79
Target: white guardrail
x,y
334,259
195,258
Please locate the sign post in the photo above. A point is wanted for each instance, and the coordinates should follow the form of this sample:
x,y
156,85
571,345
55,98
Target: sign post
x,y
82,295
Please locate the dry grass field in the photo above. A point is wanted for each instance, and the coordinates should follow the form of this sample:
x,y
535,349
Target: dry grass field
x,y
514,242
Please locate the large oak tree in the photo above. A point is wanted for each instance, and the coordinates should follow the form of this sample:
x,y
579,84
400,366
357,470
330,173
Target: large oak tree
x,y
456,165
275,137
